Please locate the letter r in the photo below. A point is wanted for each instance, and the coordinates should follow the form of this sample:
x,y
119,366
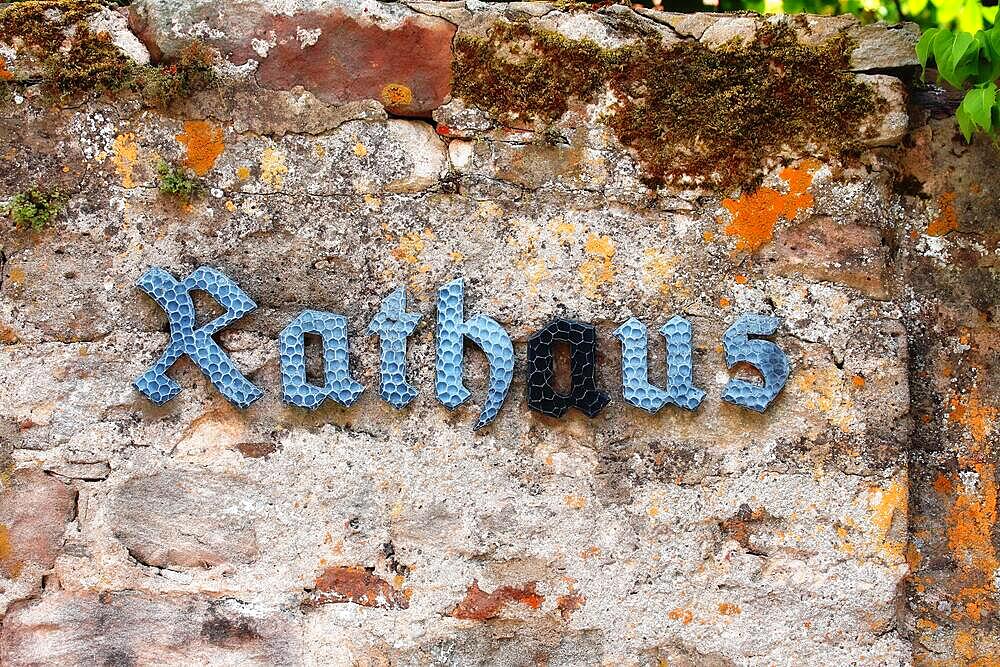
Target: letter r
x,y
174,297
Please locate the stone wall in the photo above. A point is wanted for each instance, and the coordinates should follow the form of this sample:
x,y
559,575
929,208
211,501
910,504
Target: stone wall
x,y
595,165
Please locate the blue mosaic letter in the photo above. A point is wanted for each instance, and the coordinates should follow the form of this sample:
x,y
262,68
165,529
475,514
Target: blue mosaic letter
x,y
392,324
635,366
338,383
175,299
763,355
484,332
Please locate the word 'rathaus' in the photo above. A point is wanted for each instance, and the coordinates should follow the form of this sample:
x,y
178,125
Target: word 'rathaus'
x,y
393,325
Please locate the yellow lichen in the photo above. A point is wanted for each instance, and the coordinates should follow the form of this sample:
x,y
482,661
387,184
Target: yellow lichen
x,y
409,248
597,269
126,153
272,167
658,269
826,390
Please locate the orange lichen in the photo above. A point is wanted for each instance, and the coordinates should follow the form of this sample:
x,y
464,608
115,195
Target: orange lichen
x,y
8,565
913,557
341,584
396,95
971,522
888,506
858,381
970,412
754,215
740,280
204,145
479,605
729,609
724,302
5,548
683,615
7,335
5,74
942,484
946,220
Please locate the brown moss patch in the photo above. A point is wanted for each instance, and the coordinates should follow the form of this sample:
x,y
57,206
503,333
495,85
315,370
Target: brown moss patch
x,y
689,112
43,23
79,61
518,72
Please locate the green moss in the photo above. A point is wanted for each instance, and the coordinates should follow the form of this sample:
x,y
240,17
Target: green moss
x,y
34,209
685,109
79,61
92,63
518,72
181,77
42,23
179,183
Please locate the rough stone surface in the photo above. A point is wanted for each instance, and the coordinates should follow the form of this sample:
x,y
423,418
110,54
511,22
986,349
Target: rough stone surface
x,y
34,511
854,522
341,54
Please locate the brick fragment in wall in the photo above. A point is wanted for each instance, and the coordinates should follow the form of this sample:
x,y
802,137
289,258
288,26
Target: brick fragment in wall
x,y
851,523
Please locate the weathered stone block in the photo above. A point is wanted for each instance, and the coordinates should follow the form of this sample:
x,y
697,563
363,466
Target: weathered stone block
x,y
182,518
34,511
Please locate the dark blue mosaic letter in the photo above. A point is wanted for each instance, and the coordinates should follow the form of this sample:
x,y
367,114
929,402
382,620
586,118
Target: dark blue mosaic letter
x,y
452,330
584,394
392,325
338,383
763,355
175,299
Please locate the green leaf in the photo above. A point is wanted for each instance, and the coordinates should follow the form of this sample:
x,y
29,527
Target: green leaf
x,y
924,48
978,106
971,17
989,64
941,48
965,124
991,41
956,56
